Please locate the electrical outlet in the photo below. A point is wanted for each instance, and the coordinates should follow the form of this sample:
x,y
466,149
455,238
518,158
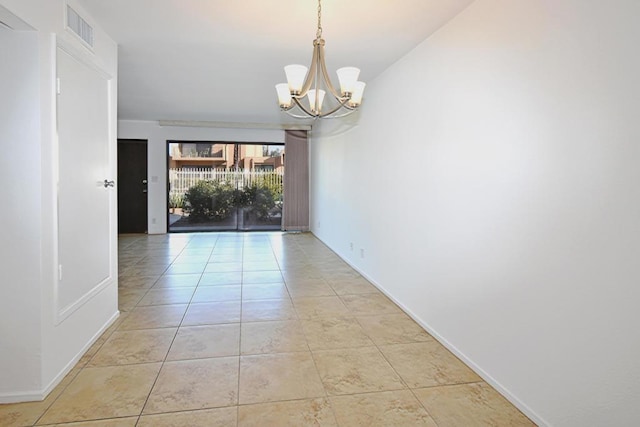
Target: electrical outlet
x,y
351,246
361,253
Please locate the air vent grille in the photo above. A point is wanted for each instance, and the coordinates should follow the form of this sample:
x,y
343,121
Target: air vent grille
x,y
79,26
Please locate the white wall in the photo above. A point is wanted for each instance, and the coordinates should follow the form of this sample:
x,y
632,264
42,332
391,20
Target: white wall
x,y
492,182
59,344
157,137
20,213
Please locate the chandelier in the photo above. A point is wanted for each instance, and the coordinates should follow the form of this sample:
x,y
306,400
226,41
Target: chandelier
x,y
314,83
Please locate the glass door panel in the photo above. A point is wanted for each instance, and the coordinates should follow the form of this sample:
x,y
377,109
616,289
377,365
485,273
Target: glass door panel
x,y
224,186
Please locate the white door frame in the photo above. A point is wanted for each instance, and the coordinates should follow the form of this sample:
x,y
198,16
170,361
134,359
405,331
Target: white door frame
x,y
86,58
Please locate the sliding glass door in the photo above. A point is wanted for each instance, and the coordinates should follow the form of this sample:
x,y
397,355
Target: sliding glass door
x,y
216,186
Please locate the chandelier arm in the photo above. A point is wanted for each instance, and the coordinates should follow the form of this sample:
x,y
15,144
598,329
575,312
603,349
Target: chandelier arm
x,y
339,116
314,117
335,109
325,75
311,75
303,108
297,116
312,80
287,108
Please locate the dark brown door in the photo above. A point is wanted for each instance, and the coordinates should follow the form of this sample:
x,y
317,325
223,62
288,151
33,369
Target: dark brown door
x,y
132,186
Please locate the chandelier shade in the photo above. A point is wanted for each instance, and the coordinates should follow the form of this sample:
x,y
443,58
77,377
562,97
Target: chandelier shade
x,y
356,96
348,76
295,77
316,97
314,83
284,95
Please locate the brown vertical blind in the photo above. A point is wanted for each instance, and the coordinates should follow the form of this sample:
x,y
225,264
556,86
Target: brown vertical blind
x,y
296,181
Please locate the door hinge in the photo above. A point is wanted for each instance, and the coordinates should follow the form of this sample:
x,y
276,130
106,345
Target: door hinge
x,y
58,85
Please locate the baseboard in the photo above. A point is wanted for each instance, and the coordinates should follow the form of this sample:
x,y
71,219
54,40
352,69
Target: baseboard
x,y
39,395
58,378
27,396
442,340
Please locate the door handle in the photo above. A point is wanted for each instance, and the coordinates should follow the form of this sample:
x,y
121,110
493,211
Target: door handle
x,y
109,183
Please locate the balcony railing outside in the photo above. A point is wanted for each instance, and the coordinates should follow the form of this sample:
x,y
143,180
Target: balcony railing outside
x,y
193,153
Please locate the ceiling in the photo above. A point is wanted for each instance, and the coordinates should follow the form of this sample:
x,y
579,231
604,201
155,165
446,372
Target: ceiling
x,y
218,60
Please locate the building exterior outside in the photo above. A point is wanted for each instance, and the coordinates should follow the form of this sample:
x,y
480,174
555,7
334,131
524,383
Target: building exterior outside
x,y
224,156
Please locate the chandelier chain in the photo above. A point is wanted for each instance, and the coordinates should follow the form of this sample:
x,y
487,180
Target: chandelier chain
x,y
319,32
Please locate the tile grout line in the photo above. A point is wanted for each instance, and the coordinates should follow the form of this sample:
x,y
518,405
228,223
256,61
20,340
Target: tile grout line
x,y
375,344
398,374
244,242
240,338
165,356
84,366
315,364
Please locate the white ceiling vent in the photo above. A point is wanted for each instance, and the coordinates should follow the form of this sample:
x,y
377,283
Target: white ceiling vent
x,y
79,26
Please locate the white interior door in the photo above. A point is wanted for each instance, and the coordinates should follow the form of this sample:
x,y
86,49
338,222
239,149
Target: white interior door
x,y
84,203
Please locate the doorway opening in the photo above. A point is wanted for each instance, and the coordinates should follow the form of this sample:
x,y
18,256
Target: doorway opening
x,y
224,186
132,186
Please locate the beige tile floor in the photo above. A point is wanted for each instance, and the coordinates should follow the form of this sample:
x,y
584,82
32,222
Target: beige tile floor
x,y
264,329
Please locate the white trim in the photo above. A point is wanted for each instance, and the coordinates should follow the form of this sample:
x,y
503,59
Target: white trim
x,y
27,396
233,125
62,313
72,363
39,395
112,97
83,57
460,355
12,22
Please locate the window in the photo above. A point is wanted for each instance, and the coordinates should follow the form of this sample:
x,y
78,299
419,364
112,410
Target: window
x,y
204,150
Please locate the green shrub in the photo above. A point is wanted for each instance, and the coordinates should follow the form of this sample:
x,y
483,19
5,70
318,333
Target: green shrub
x,y
176,201
216,201
261,200
272,181
210,201
242,198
